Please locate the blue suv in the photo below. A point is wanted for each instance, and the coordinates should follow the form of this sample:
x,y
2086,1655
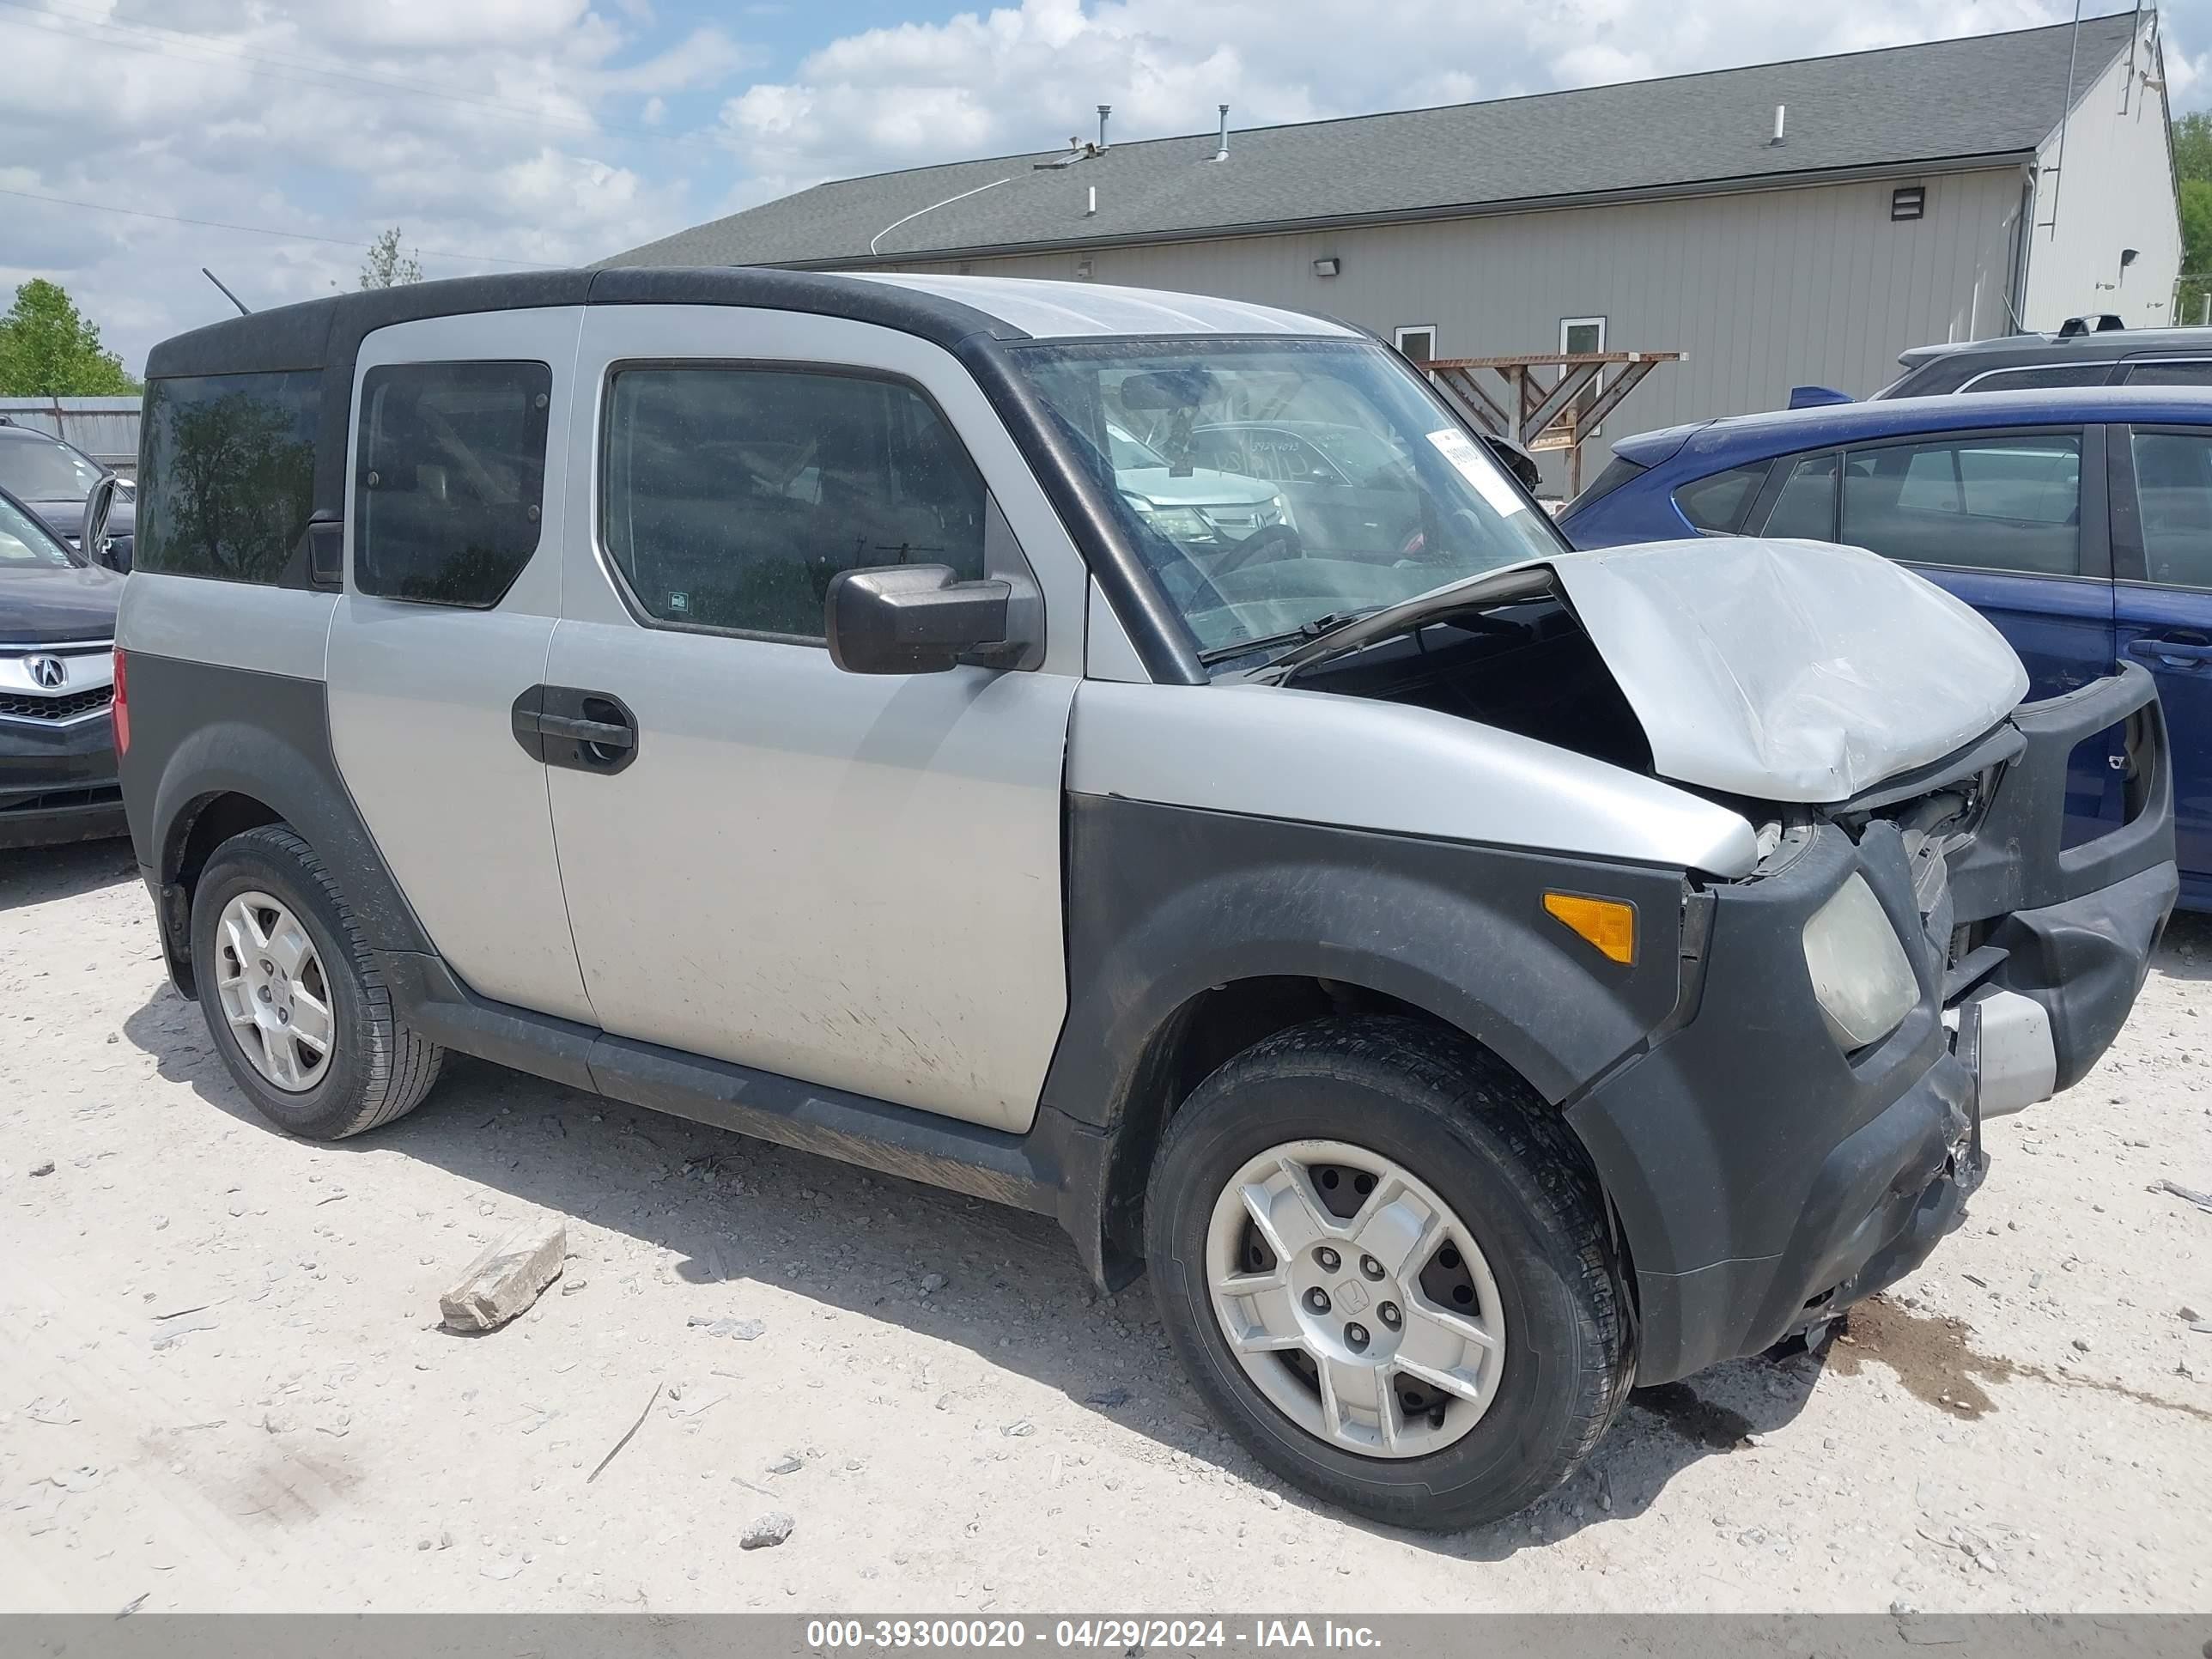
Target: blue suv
x,y
2078,520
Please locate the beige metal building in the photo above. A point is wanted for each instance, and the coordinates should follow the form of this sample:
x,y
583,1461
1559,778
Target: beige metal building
x,y
1790,223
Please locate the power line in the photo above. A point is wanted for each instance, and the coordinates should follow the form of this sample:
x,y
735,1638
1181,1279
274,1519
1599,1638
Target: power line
x,y
263,230
175,44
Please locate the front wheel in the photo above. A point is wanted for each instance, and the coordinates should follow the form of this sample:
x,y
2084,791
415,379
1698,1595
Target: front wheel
x,y
1386,1264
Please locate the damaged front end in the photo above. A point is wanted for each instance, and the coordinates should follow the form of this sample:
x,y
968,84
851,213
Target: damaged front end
x,y
1914,950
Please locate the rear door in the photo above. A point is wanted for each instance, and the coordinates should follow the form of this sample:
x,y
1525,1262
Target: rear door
x,y
2162,558
850,880
2012,521
452,584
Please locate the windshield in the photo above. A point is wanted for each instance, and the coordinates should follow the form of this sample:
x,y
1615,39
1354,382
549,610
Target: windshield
x,y
1416,504
40,469
24,541
1129,455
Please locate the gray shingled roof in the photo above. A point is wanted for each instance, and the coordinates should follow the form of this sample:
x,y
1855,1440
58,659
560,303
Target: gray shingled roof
x,y
1990,95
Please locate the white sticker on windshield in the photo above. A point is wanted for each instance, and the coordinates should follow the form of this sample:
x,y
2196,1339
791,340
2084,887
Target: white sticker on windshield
x,y
1479,469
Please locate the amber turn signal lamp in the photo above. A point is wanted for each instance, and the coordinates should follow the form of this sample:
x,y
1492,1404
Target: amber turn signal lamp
x,y
1608,924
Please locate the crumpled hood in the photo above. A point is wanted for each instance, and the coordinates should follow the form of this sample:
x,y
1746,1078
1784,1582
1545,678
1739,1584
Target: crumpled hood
x,y
1783,671
1789,670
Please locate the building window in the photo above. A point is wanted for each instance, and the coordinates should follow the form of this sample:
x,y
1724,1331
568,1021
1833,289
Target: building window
x,y
1908,201
1418,341
1579,336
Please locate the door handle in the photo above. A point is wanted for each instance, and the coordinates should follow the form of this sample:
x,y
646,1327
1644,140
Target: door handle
x,y
605,734
2175,653
583,730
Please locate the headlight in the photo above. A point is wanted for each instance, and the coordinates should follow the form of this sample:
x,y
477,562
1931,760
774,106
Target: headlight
x,y
1860,972
1277,511
1181,524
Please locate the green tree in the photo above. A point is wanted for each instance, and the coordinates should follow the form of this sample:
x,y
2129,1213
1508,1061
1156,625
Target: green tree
x,y
47,350
388,266
2192,170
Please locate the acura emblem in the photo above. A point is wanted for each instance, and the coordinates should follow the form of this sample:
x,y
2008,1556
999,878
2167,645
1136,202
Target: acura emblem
x,y
47,671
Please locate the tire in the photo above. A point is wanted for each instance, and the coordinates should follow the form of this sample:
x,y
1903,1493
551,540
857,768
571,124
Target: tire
x,y
377,1067
1476,1138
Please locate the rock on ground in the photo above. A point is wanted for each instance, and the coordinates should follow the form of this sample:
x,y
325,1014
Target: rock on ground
x,y
767,1532
505,1280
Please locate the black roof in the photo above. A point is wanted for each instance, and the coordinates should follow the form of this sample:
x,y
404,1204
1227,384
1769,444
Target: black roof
x,y
327,333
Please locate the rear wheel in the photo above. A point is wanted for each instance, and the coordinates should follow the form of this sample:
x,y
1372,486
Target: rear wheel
x,y
292,996
1385,1262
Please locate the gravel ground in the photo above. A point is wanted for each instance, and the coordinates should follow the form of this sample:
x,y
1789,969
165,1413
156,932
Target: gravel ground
x,y
225,1386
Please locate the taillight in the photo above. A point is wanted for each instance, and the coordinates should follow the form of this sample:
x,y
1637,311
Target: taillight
x,y
119,708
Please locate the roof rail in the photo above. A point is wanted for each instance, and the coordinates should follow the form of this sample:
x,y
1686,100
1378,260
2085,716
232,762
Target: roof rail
x,y
2096,323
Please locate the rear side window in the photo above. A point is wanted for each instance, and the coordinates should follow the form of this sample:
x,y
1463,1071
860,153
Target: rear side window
x,y
1717,504
2000,503
733,496
449,481
226,474
1806,508
2039,375
2196,372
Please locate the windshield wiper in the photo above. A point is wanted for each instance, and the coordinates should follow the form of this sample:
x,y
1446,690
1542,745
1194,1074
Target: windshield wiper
x,y
1327,624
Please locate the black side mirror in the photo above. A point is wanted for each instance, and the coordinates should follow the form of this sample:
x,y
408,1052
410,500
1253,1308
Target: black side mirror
x,y
916,619
92,528
1517,460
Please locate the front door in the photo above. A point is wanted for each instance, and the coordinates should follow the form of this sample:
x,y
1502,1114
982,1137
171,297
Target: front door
x,y
2162,551
852,880
453,586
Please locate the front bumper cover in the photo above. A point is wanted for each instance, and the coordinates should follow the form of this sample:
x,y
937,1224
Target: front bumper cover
x,y
1763,1178
58,781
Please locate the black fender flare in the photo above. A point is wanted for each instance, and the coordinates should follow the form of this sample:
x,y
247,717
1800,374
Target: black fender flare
x,y
281,756
1167,903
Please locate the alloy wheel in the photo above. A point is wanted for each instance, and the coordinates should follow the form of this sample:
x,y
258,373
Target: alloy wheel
x,y
1355,1299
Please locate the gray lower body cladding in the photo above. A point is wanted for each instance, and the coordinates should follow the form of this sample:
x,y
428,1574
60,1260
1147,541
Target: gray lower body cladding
x,y
1754,1167
200,732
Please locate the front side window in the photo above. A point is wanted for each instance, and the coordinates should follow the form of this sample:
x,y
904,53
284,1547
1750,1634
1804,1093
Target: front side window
x,y
732,494
2010,503
24,542
1251,557
449,479
226,478
37,468
2173,488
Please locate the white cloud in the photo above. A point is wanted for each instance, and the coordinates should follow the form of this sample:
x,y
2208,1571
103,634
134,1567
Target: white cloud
x,y
509,128
1027,76
562,131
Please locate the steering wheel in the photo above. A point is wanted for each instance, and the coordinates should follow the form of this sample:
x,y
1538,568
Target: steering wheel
x,y
1277,541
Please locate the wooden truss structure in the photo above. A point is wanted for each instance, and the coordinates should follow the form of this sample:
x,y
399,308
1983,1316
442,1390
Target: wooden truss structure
x,y
1555,400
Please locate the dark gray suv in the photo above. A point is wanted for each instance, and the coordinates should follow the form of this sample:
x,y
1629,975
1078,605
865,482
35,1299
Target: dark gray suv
x,y
2086,351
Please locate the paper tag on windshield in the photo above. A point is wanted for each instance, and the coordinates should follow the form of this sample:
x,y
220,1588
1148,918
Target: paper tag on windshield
x,y
1479,469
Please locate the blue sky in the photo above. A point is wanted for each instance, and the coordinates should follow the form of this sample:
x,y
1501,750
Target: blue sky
x,y
504,133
